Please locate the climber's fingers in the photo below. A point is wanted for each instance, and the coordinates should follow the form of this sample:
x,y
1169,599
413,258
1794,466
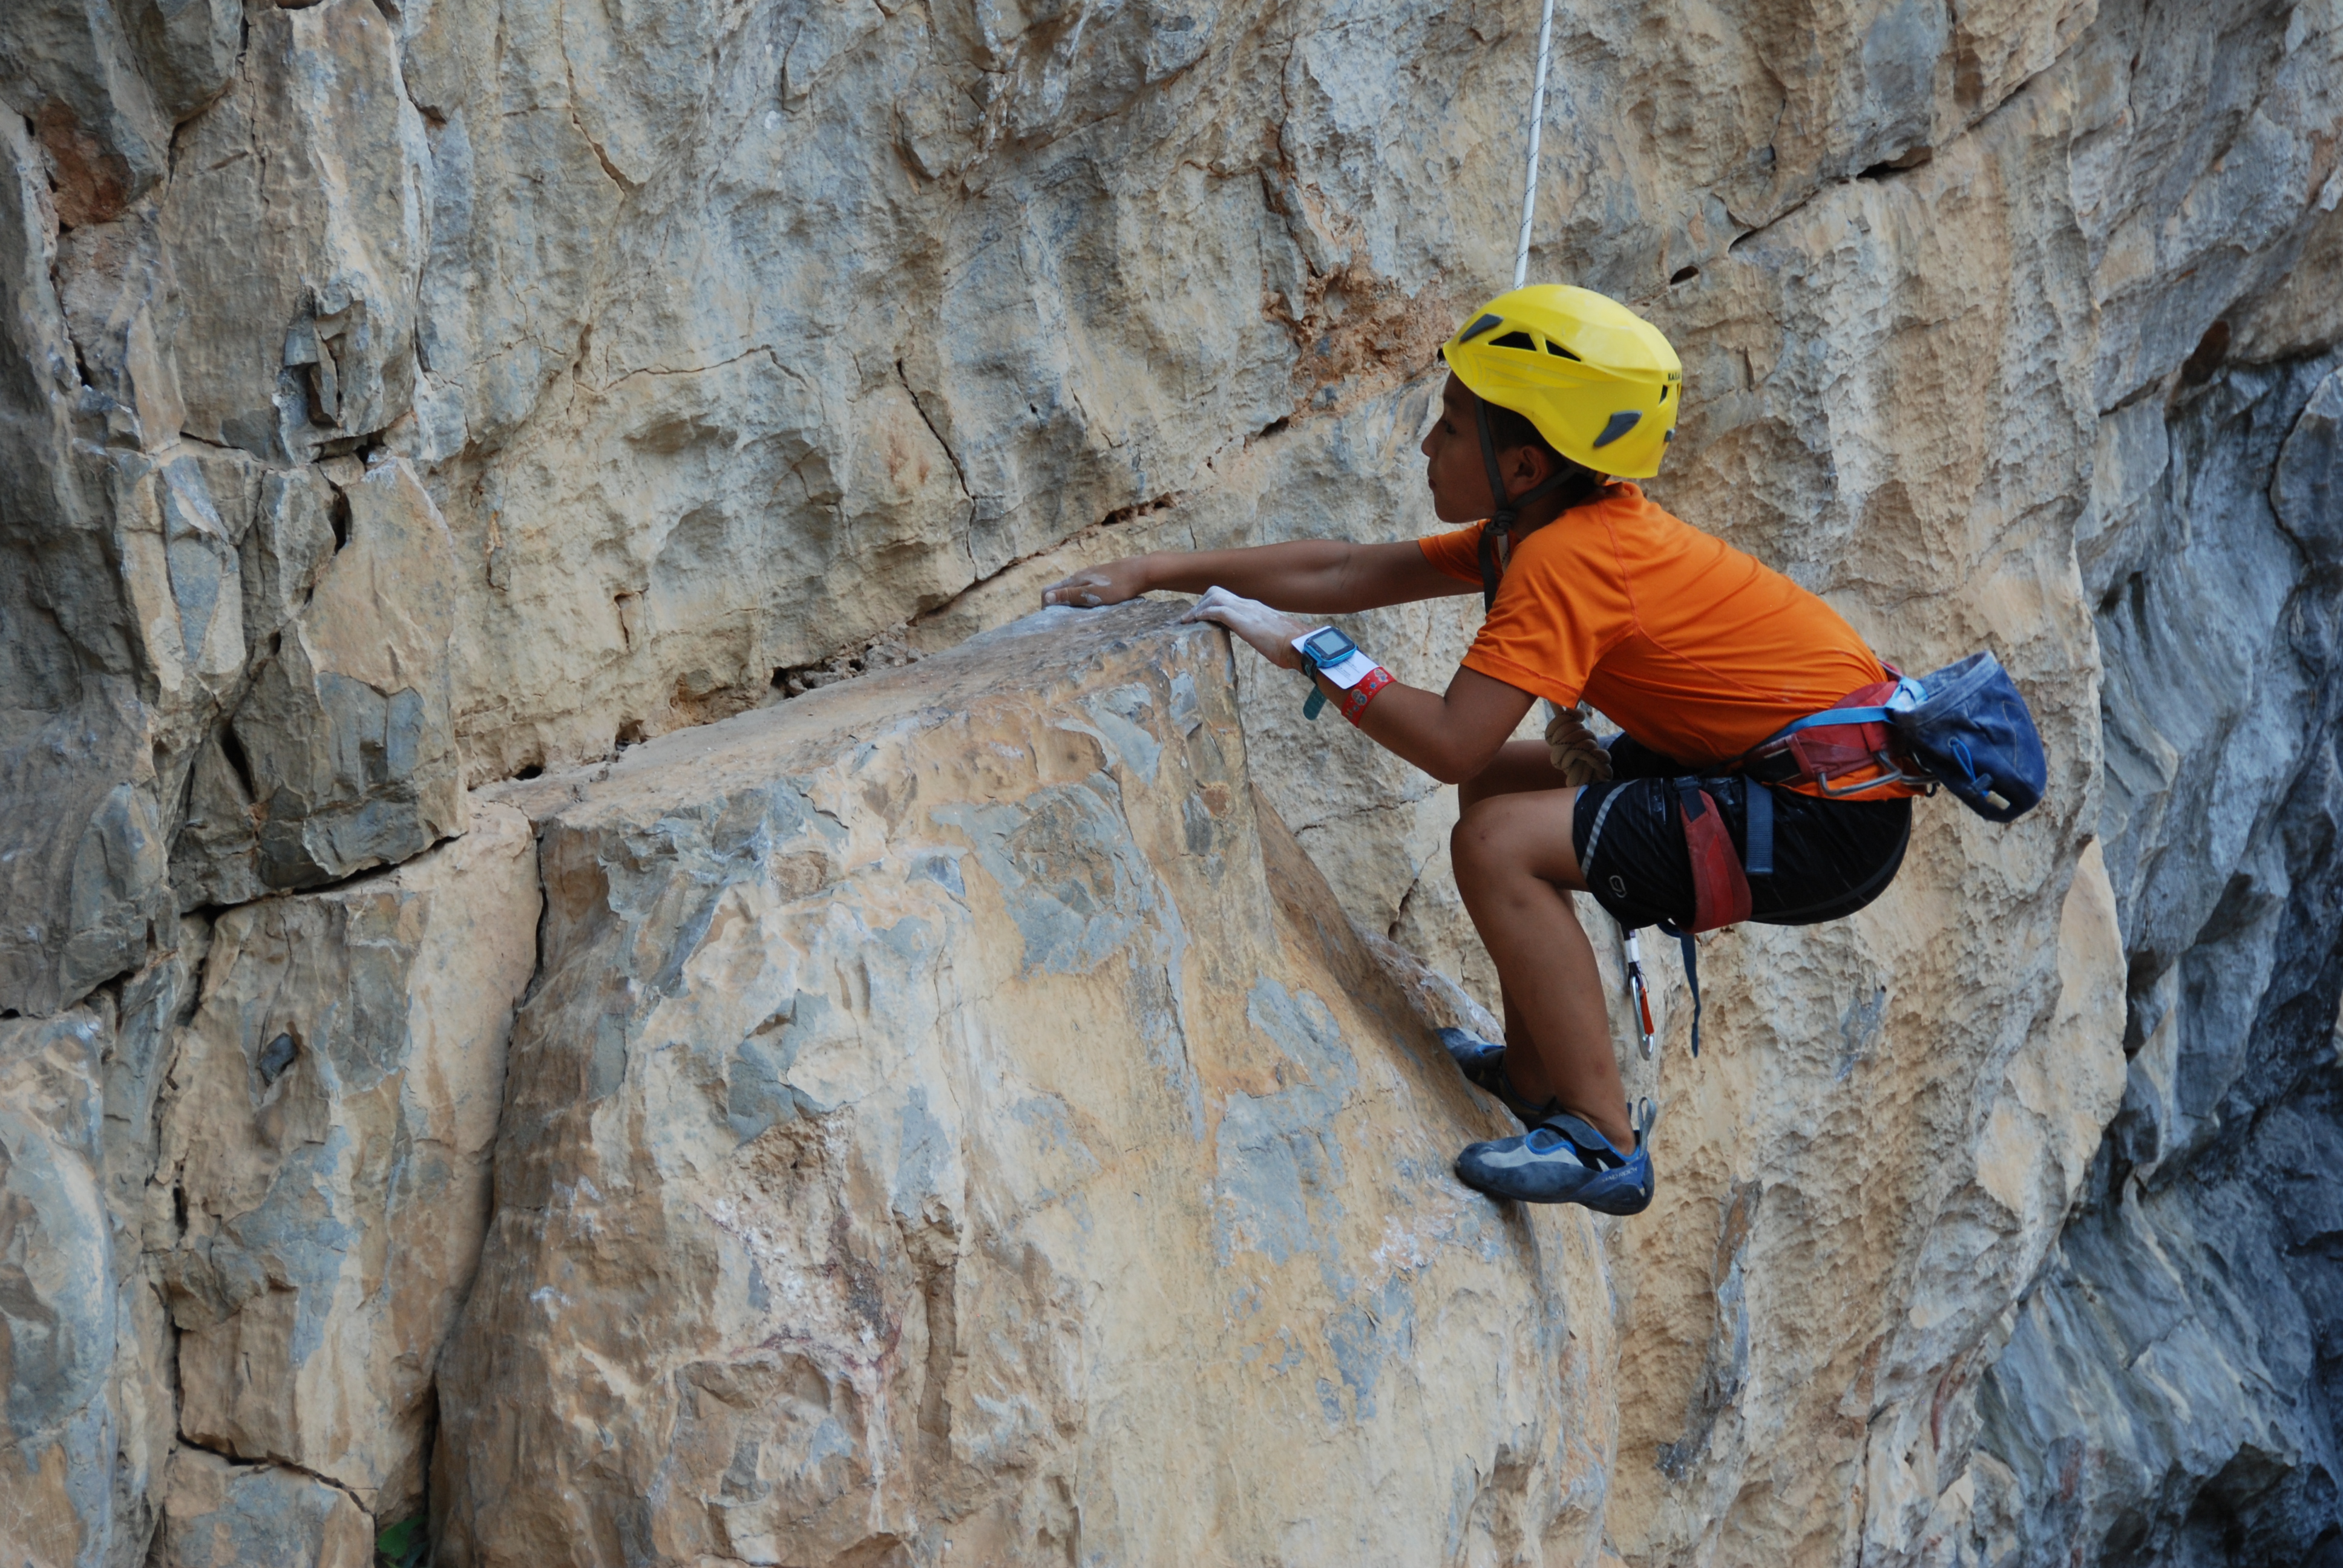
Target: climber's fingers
x,y
1271,632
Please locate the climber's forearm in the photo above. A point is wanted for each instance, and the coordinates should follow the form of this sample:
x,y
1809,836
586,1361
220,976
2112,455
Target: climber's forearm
x,y
1304,575
1320,577
1452,736
1314,577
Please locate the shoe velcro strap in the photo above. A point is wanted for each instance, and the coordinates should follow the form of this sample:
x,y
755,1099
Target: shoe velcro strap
x,y
1595,1149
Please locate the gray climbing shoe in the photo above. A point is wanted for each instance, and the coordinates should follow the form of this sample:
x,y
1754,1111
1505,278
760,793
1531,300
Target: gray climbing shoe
x,y
1563,1160
1483,1067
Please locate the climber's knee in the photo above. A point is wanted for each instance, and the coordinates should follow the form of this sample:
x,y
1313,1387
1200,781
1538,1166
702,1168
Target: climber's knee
x,y
1519,766
1468,845
1523,835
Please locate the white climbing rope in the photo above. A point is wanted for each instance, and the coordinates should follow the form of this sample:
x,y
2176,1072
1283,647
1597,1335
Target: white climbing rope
x,y
1638,994
1529,185
1537,123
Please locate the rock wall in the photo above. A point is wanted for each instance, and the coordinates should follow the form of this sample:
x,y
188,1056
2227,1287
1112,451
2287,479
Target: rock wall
x,y
326,1140
399,400
2169,1394
955,1121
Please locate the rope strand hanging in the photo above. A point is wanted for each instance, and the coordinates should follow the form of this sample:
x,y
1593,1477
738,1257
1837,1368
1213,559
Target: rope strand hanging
x,y
1638,995
1529,180
1537,125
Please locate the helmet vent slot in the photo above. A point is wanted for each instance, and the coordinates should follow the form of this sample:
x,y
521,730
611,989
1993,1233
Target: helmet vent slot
x,y
1553,348
1514,340
1621,423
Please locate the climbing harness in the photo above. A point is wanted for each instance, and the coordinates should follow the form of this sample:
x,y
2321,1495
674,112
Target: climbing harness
x,y
1720,877
1966,728
1839,742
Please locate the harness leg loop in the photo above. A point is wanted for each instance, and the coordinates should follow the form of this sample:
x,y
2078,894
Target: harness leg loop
x,y
1759,861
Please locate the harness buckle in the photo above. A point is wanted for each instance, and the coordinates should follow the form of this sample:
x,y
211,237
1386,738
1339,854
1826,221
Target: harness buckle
x,y
1896,775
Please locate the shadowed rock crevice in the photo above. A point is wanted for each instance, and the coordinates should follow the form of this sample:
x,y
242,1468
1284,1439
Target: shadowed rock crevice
x,y
2169,1393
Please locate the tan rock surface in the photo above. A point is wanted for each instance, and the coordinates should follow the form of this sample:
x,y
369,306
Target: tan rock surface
x,y
958,1124
58,1303
217,1514
299,212
342,754
326,1144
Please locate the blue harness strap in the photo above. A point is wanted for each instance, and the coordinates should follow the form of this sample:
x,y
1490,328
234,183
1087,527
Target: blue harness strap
x,y
1691,976
1833,716
1759,859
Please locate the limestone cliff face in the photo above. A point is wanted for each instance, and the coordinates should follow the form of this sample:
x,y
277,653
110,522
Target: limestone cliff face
x,y
955,1121
409,411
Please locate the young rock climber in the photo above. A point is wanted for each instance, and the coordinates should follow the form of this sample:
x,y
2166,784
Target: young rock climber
x,y
1591,593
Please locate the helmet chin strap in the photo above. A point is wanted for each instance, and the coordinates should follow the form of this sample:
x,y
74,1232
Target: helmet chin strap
x,y
1500,519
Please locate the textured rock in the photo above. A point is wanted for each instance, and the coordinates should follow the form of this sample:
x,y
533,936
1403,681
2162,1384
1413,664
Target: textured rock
x,y
342,754
57,1297
217,1514
83,1342
394,397
956,1123
2168,1393
303,194
82,844
71,71
326,1145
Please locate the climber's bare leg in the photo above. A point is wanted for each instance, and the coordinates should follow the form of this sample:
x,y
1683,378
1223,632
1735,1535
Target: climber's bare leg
x,y
1513,859
1519,765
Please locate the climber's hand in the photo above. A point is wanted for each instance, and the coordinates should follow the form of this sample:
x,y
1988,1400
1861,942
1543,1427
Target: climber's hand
x,y
1094,586
1271,632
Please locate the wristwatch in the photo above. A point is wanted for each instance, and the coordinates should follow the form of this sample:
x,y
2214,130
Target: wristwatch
x,y
1329,652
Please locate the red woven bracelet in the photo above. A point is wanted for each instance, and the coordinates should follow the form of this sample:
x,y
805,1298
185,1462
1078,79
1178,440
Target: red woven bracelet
x,y
1355,702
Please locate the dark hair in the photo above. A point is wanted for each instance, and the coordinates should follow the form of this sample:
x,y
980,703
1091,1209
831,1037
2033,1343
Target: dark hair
x,y
1510,428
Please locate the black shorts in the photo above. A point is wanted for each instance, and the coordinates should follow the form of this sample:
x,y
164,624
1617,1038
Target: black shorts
x,y
1830,857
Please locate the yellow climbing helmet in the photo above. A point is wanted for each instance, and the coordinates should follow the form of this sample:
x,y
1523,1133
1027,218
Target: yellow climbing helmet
x,y
1597,380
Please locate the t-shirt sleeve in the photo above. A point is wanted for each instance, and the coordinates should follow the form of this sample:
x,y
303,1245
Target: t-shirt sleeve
x,y
1552,620
1456,553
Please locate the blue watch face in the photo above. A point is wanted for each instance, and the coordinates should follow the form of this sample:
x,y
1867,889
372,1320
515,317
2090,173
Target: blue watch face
x,y
1328,646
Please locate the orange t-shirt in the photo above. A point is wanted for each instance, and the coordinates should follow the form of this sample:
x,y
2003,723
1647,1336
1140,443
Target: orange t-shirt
x,y
1698,650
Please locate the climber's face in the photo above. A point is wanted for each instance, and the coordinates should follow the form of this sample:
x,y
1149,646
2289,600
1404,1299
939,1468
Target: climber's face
x,y
1453,465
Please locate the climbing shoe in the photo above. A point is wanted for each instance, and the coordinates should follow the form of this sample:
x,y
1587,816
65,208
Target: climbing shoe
x,y
1563,1160
1483,1067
